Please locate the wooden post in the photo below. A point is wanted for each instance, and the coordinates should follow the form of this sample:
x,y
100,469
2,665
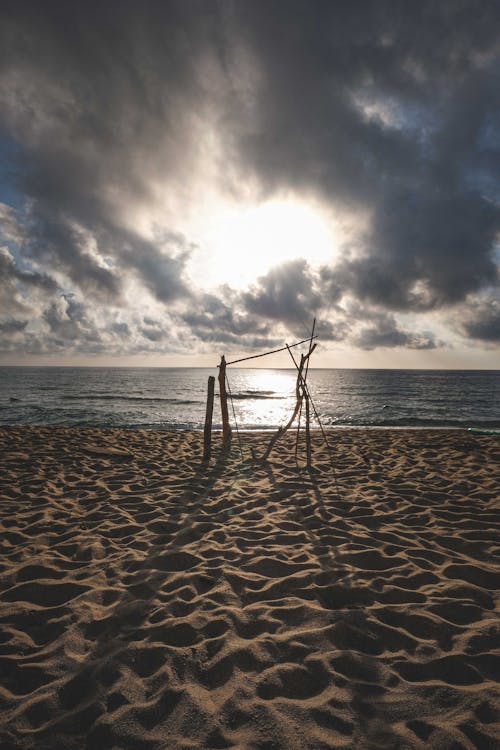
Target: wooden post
x,y
226,429
207,433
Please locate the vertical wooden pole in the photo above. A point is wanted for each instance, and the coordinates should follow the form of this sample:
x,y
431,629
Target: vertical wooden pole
x,y
226,429
308,432
207,433
300,395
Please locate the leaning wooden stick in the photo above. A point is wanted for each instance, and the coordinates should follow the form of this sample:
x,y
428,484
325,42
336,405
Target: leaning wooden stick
x,y
305,394
311,347
300,376
306,388
299,395
305,379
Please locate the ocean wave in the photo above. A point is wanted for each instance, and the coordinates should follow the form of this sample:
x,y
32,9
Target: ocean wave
x,y
257,395
146,399
411,422
176,399
258,392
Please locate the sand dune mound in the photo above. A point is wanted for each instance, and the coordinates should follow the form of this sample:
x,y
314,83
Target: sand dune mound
x,y
148,602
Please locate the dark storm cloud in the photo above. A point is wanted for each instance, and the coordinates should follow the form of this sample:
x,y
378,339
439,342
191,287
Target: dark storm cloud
x,y
392,107
100,98
221,319
10,272
23,294
291,294
429,250
12,326
153,334
70,324
373,327
387,334
53,240
122,330
160,266
13,335
387,110
482,321
286,294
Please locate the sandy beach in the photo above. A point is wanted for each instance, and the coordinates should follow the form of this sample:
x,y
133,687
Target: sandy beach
x,y
150,602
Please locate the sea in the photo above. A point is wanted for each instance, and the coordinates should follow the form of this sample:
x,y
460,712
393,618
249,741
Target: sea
x,y
260,399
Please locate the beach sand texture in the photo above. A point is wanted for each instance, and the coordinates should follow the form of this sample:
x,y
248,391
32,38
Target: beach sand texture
x,y
149,603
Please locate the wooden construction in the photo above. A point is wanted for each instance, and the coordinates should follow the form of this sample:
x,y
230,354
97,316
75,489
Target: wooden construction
x,y
303,397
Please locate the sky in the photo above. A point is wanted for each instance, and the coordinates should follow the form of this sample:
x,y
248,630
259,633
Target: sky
x,y
184,179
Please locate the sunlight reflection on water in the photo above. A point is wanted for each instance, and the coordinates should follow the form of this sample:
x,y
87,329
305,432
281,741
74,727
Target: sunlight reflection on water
x,y
263,399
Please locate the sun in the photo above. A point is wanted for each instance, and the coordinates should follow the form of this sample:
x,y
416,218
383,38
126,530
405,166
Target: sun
x,y
239,243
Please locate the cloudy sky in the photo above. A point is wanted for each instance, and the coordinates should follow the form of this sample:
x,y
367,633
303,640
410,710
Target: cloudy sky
x,y
179,179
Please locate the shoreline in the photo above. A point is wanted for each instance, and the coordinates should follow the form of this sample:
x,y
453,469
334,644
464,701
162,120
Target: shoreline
x,y
247,430
149,600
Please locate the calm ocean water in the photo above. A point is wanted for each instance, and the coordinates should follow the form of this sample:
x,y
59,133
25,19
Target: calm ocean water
x,y
175,398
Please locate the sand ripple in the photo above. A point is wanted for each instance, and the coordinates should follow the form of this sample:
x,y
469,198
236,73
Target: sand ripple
x,y
148,602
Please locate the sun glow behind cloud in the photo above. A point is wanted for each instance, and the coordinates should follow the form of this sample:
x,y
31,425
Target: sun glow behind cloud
x,y
240,242
187,199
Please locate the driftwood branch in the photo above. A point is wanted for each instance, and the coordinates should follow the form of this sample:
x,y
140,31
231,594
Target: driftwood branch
x,y
306,391
300,377
299,396
274,351
303,394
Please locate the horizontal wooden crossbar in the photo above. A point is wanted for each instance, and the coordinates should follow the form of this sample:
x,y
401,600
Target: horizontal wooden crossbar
x,y
283,349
